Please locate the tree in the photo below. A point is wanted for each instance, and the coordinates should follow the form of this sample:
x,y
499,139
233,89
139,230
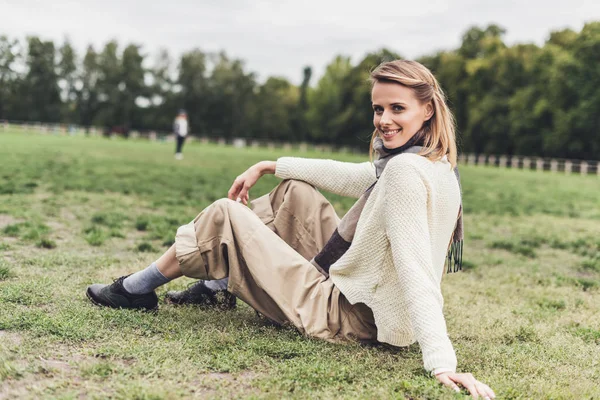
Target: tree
x,y
161,94
131,87
478,43
8,75
192,88
230,93
275,101
40,85
583,117
67,77
299,117
325,100
109,79
88,102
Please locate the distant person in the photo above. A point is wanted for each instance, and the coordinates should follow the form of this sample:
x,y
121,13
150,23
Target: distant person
x,y
180,128
375,274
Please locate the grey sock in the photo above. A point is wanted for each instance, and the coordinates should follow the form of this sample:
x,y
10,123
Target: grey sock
x,y
145,281
219,284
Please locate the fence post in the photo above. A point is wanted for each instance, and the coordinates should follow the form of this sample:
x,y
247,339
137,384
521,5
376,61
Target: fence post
x,y
471,159
514,162
492,160
553,165
568,167
481,159
539,164
526,163
502,161
584,168
239,143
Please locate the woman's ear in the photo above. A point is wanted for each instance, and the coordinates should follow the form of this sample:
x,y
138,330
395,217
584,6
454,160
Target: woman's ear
x,y
428,111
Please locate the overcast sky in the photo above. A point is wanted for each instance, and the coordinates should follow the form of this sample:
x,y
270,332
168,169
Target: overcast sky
x,y
280,37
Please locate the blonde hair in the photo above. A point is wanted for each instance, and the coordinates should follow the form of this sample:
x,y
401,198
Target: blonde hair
x,y
439,131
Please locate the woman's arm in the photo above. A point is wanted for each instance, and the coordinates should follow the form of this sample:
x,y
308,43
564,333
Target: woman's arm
x,y
406,225
407,229
343,178
242,184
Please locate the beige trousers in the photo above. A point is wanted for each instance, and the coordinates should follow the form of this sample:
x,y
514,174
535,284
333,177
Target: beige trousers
x,y
265,252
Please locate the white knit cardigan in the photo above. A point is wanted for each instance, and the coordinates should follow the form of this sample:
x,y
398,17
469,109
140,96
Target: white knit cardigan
x,y
396,260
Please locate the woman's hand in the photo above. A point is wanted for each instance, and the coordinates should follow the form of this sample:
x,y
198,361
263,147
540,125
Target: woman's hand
x,y
476,388
243,183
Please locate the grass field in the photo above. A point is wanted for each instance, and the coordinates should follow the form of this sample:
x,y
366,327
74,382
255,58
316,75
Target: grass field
x,y
523,315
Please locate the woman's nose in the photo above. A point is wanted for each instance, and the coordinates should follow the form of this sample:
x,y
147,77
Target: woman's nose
x,y
384,120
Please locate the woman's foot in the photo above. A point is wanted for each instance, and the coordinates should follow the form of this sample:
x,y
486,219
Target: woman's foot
x,y
115,296
199,294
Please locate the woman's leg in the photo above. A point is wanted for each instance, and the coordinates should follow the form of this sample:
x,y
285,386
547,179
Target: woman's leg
x,y
294,210
168,265
137,290
299,214
227,239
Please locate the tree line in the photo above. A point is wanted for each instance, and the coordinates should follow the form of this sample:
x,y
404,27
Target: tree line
x,y
520,99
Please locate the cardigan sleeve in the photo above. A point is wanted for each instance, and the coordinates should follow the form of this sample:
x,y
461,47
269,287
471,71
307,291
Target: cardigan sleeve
x,y
407,229
343,178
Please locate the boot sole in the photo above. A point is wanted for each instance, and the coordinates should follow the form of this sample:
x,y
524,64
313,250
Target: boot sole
x,y
98,304
169,301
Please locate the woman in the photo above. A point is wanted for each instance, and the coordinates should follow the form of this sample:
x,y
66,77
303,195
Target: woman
x,y
374,275
180,128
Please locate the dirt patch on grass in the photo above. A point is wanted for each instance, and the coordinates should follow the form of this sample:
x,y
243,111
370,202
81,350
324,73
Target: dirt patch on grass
x,y
67,215
6,220
223,384
58,366
11,338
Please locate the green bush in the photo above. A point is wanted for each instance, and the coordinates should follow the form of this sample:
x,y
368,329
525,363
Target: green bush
x,y
145,247
5,272
46,243
95,235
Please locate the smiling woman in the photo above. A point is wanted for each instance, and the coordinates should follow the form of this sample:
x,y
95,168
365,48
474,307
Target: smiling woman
x,y
408,103
374,275
397,114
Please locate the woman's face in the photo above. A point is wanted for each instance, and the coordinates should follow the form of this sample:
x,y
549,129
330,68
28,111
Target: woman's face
x,y
397,114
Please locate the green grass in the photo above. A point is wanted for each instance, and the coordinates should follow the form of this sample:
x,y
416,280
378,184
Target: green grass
x,y
523,315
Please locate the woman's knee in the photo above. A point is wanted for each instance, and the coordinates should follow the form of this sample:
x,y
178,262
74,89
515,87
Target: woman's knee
x,y
300,191
224,206
223,203
298,186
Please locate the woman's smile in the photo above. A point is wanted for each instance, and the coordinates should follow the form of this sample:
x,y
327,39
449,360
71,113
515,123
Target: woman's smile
x,y
389,133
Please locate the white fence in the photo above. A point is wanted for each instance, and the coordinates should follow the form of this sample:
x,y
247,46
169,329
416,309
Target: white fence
x,y
583,167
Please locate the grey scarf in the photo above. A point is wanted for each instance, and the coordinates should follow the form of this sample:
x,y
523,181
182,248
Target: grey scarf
x,y
341,239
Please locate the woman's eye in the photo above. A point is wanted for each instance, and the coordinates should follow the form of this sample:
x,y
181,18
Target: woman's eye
x,y
398,108
378,110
